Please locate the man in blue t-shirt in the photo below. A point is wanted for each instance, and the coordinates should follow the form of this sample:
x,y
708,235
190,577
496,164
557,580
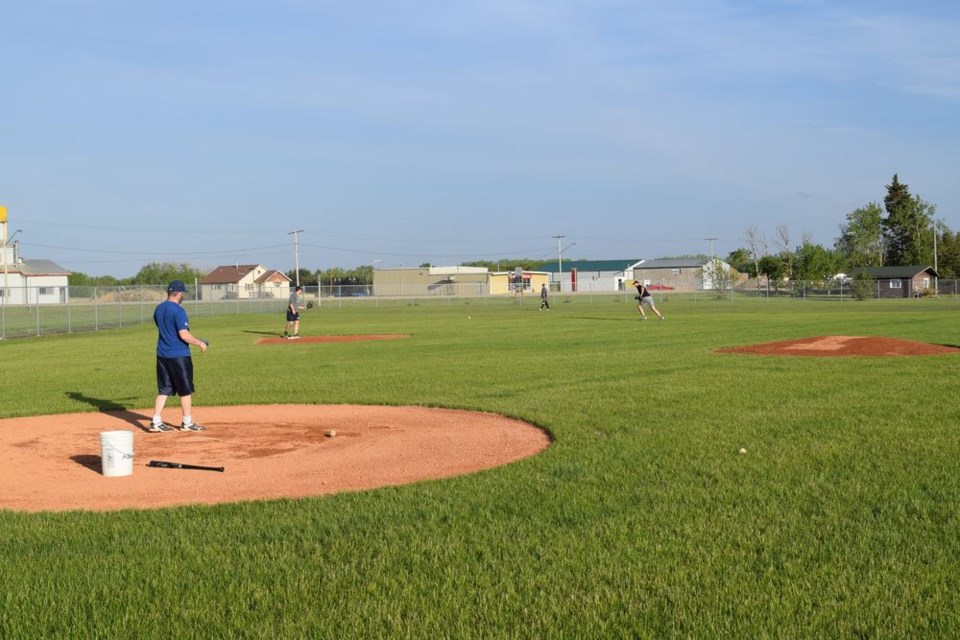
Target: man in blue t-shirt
x,y
174,365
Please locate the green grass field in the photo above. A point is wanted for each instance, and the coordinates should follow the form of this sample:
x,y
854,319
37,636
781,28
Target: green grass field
x,y
641,520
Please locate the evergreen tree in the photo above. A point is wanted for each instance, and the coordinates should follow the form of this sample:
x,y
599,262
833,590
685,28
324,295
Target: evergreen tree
x,y
907,229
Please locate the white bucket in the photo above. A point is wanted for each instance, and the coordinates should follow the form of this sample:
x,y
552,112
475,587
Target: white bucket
x,y
116,453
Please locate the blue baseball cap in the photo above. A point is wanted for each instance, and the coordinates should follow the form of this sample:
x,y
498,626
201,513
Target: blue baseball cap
x,y
176,285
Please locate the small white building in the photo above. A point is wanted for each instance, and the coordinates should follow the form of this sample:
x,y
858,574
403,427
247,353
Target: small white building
x,y
31,281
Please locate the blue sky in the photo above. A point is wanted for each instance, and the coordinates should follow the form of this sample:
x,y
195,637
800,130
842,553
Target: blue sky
x,y
449,131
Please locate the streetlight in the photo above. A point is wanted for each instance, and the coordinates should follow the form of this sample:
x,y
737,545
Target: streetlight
x,y
562,251
559,263
373,268
296,252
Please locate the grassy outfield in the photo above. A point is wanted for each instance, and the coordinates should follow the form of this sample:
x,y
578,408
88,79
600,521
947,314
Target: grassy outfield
x,y
641,520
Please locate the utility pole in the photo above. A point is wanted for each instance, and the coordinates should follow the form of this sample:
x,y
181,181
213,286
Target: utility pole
x,y
559,263
711,247
3,247
935,245
936,278
296,252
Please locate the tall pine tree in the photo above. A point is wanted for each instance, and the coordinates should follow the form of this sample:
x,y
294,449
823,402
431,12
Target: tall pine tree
x,y
907,228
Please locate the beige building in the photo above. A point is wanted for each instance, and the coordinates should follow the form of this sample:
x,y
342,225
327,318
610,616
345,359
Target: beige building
x,y
680,274
453,281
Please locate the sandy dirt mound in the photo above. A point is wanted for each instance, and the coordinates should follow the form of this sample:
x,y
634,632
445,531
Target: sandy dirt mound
x,y
52,463
833,346
318,339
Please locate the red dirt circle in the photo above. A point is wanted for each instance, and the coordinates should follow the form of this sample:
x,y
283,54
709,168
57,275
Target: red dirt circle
x,y
52,463
833,346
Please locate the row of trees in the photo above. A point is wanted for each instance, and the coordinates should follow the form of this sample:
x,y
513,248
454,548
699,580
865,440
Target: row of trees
x,y
902,231
162,273
151,274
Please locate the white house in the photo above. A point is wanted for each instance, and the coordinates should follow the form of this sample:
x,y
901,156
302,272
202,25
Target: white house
x,y
30,281
244,281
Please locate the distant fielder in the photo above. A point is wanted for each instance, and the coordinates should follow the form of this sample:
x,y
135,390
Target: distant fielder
x,y
293,313
645,299
544,298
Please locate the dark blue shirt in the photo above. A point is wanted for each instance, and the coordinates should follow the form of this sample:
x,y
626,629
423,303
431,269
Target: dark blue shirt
x,y
170,318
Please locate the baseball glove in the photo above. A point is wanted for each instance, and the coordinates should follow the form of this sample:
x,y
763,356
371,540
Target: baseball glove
x,y
309,305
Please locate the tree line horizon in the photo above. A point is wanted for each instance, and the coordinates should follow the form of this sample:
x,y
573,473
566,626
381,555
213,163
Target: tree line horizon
x,y
902,231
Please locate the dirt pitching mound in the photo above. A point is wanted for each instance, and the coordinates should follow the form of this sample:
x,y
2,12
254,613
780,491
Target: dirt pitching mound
x,y
52,463
834,346
317,339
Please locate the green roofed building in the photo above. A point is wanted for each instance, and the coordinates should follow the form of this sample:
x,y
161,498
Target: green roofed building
x,y
587,276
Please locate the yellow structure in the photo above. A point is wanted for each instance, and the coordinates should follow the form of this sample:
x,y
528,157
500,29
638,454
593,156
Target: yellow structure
x,y
504,282
3,214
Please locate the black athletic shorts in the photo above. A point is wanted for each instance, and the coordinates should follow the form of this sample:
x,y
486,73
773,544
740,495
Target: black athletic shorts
x,y
292,316
175,376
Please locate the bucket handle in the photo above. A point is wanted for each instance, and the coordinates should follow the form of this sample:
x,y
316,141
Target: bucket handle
x,y
122,453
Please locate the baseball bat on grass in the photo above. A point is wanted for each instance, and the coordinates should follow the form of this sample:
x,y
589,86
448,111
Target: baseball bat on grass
x,y
180,465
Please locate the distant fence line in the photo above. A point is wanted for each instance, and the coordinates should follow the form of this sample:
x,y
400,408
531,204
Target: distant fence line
x,y
86,308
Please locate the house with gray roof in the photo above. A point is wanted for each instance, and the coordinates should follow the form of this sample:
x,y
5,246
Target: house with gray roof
x,y
231,282
900,282
31,281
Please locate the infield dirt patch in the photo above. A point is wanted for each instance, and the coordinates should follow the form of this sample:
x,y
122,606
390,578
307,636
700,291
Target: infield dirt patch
x,y
834,346
318,339
52,463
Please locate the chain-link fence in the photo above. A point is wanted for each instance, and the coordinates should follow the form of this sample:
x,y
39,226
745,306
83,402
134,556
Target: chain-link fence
x,y
75,309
